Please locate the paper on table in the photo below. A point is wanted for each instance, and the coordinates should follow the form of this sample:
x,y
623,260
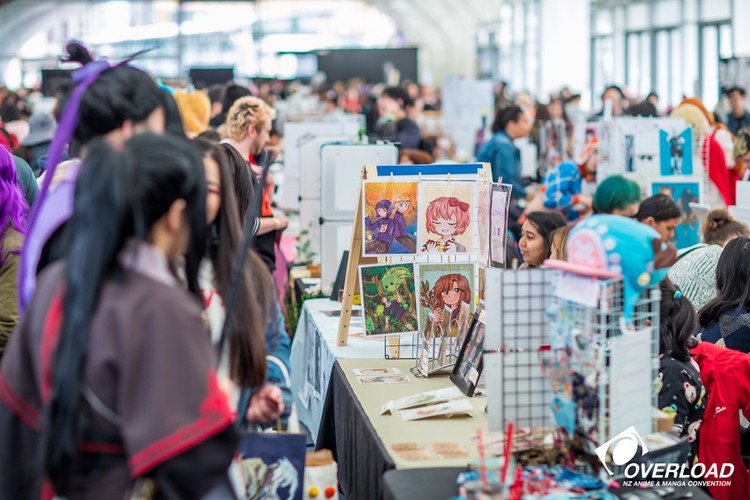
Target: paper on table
x,y
449,408
377,371
630,383
421,399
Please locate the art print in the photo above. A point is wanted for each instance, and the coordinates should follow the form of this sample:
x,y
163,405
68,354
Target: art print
x,y
676,151
484,198
389,220
499,224
388,299
464,319
468,369
683,193
444,286
446,211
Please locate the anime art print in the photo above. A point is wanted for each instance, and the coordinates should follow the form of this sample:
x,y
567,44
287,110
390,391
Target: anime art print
x,y
389,220
447,219
442,290
484,202
676,152
683,193
388,299
499,223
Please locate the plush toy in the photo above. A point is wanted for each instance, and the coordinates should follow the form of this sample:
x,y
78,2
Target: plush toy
x,y
611,246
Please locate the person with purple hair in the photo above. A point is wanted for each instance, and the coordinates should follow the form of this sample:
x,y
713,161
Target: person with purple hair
x,y
381,229
13,212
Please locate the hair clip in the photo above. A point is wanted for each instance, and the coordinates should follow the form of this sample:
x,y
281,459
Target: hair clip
x,y
677,295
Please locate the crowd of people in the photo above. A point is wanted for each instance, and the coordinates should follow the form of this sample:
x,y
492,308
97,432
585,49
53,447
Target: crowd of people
x,y
125,204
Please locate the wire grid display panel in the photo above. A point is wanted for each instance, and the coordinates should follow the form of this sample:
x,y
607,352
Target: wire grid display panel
x,y
601,325
525,396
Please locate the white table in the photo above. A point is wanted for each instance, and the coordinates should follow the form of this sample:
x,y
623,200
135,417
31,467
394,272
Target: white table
x,y
314,351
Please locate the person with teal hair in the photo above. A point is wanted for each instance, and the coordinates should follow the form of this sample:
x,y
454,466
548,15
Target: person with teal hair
x,y
617,195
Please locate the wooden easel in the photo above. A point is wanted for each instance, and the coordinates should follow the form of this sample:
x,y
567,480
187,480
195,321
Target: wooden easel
x,y
351,284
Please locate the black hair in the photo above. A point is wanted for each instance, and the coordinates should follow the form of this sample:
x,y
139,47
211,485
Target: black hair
x,y
398,94
616,88
736,88
244,181
677,322
732,282
172,117
209,135
505,116
120,94
643,108
546,223
215,92
659,206
652,94
247,349
231,93
119,196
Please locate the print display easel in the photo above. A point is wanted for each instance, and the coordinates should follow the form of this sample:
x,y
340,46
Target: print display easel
x,y
447,173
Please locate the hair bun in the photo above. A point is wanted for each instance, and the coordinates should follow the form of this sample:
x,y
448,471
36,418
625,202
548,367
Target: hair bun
x,y
717,219
77,52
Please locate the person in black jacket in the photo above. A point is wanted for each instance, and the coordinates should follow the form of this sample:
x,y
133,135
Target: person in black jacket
x,y
393,124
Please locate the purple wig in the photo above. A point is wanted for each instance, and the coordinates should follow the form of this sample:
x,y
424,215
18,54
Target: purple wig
x,y
13,206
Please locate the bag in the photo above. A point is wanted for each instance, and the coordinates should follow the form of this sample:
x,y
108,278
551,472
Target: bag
x,y
273,465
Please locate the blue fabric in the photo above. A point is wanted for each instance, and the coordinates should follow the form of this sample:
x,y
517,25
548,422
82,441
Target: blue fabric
x,y
561,184
736,124
279,346
733,327
505,160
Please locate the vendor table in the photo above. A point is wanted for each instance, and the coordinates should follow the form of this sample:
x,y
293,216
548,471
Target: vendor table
x,y
361,438
421,484
314,350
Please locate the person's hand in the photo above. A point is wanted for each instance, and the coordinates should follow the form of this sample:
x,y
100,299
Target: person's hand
x,y
530,195
266,405
450,247
438,315
586,199
431,246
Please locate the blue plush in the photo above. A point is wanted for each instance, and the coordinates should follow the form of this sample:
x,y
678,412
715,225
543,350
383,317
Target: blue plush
x,y
620,245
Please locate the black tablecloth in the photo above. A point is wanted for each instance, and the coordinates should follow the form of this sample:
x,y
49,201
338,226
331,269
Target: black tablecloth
x,y
346,430
421,484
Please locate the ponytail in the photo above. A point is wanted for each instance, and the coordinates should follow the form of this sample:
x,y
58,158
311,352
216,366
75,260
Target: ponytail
x,y
101,221
119,195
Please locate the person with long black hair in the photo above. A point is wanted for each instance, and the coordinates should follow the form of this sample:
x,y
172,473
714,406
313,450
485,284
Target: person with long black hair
x,y
725,320
109,384
114,102
255,363
679,386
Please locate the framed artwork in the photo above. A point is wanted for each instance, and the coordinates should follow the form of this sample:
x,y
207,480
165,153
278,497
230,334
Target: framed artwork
x,y
389,218
464,318
676,152
499,223
484,200
468,368
442,289
388,299
683,192
446,217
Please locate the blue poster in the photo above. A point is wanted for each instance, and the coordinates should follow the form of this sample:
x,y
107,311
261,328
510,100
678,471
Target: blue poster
x,y
676,152
683,193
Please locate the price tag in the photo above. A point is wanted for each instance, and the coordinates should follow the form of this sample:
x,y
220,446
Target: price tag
x,y
582,290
